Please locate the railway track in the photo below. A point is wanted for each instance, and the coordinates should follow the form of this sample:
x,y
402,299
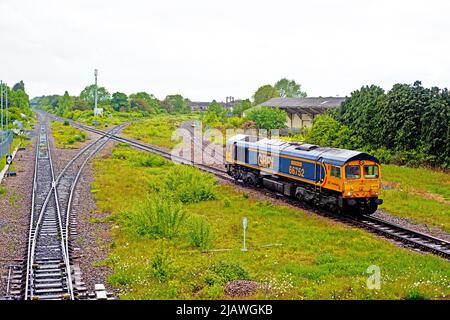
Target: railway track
x,y
48,272
407,237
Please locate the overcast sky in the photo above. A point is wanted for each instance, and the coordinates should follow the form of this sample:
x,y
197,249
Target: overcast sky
x,y
212,49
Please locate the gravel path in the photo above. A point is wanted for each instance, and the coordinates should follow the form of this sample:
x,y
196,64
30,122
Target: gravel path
x,y
15,208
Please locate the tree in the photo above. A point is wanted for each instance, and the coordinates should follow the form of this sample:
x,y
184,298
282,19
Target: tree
x,y
18,98
362,112
268,118
153,104
435,123
119,100
409,123
241,106
265,93
216,108
65,103
19,86
329,132
176,104
80,104
289,89
88,94
401,125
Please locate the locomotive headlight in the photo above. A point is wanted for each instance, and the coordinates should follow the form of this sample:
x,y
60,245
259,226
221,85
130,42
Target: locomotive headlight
x,y
349,193
374,193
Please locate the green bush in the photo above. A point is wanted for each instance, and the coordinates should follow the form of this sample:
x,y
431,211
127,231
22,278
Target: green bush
x,y
200,232
2,190
156,217
226,203
161,265
415,294
189,185
139,159
222,272
66,122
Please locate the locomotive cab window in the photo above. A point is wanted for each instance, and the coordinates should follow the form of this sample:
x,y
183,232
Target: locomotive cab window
x,y
335,172
371,172
353,172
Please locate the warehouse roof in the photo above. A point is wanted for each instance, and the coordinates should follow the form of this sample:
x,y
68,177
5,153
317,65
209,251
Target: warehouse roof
x,y
311,105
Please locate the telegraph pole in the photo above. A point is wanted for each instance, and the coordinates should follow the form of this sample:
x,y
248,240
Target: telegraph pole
x,y
1,98
95,95
6,103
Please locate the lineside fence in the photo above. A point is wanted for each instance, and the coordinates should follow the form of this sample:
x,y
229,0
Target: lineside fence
x,y
6,139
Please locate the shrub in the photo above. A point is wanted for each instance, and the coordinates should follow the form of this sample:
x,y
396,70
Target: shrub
x,y
226,203
200,232
161,264
189,185
138,158
156,217
2,190
66,122
415,294
222,272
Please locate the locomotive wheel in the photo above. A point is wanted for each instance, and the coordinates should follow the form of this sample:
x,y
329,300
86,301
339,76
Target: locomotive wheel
x,y
251,179
370,209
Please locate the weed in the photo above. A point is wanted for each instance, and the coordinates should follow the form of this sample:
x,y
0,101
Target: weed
x,y
222,272
200,232
157,217
67,136
161,264
2,190
189,185
414,294
13,197
226,203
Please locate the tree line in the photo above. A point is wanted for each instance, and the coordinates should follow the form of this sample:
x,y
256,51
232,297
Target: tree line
x,y
147,104
409,124
18,104
141,102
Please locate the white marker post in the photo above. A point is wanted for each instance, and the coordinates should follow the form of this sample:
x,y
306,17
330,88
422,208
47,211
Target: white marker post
x,y
244,224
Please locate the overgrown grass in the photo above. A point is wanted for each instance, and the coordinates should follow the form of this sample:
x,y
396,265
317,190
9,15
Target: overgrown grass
x,y
200,233
157,130
296,255
417,193
155,217
109,118
2,190
66,136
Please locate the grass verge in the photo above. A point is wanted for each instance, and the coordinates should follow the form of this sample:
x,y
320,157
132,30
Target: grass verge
x,y
292,254
420,194
66,136
157,130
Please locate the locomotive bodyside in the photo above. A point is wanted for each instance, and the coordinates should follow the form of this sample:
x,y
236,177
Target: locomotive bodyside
x,y
311,173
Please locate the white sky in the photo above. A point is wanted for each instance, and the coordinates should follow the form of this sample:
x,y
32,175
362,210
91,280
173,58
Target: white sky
x,y
212,49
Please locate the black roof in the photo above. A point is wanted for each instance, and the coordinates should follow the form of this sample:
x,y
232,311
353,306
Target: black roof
x,y
325,103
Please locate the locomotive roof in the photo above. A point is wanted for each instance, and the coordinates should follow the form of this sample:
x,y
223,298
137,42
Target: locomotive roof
x,y
333,156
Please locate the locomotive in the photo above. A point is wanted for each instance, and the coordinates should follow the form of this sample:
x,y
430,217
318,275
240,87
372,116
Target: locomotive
x,y
344,181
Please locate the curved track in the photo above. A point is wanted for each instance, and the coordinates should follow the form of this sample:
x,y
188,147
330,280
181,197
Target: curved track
x,y
407,237
48,271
